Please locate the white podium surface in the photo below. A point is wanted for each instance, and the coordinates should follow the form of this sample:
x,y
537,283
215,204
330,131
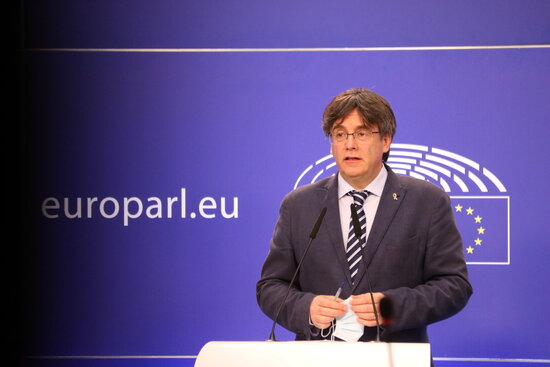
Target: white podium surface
x,y
313,353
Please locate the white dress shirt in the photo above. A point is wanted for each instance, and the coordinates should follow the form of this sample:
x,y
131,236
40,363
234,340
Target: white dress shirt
x,y
370,206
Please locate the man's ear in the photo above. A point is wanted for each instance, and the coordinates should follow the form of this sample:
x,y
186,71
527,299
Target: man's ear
x,y
386,141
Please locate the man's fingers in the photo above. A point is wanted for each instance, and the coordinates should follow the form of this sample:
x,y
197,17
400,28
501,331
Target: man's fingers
x,y
323,310
368,323
363,307
366,298
322,322
327,306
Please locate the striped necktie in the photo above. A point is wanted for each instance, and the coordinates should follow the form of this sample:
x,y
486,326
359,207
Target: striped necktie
x,y
354,245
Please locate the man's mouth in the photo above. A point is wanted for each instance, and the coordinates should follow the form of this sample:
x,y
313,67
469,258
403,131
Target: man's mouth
x,y
352,159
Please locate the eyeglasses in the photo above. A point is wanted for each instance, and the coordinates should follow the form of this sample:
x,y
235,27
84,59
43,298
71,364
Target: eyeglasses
x,y
341,135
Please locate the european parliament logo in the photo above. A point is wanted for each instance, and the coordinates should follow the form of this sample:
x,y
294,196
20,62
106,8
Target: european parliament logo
x,y
479,200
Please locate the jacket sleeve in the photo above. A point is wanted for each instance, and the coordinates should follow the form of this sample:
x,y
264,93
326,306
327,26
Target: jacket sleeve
x,y
277,272
444,289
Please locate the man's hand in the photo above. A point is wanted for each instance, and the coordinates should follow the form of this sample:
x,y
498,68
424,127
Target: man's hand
x,y
324,309
362,306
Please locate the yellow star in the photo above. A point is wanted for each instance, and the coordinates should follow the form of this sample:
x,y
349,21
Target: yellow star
x,y
481,230
478,241
470,211
470,250
478,219
458,208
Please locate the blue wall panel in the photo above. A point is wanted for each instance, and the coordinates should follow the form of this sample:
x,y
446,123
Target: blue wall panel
x,y
220,137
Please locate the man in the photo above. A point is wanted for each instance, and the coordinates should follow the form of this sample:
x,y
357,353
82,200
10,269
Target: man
x,y
412,254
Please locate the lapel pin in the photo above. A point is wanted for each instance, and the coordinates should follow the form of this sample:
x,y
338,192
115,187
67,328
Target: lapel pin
x,y
395,196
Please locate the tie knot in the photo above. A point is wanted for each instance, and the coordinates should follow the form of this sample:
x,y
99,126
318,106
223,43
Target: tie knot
x,y
359,197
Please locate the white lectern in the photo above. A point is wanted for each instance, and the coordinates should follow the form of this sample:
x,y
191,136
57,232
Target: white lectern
x,y
313,353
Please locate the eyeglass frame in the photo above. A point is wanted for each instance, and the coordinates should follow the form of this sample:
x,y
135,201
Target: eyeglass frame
x,y
345,138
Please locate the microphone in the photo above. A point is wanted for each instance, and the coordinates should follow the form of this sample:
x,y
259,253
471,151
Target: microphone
x,y
386,311
312,236
358,234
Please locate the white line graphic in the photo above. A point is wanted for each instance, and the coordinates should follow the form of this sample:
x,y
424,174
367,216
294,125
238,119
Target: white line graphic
x,y
462,174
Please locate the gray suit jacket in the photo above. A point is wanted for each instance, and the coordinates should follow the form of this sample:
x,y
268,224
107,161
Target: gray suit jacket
x,y
413,254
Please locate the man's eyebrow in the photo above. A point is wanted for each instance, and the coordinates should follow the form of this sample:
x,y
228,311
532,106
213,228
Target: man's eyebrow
x,y
364,126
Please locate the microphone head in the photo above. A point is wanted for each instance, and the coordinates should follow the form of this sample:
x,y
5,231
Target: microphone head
x,y
315,228
386,310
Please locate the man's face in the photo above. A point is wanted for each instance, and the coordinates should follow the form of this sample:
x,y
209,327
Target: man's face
x,y
359,162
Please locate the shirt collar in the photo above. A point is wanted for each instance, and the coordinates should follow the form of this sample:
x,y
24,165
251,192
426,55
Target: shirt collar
x,y
375,187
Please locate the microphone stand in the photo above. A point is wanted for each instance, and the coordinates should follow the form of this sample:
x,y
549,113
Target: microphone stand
x,y
312,236
358,234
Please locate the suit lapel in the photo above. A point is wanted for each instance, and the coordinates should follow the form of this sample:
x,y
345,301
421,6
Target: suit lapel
x,y
390,201
334,227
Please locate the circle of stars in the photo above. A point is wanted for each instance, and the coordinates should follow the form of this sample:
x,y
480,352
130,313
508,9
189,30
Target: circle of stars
x,y
480,230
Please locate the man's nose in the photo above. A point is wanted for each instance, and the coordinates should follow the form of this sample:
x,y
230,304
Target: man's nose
x,y
350,141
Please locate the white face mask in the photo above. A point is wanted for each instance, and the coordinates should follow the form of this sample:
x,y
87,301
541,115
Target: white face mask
x,y
347,327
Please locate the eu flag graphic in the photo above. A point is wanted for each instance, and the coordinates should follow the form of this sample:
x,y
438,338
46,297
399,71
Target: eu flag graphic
x,y
484,223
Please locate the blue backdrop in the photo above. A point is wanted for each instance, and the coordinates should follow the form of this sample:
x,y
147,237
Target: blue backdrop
x,y
160,138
